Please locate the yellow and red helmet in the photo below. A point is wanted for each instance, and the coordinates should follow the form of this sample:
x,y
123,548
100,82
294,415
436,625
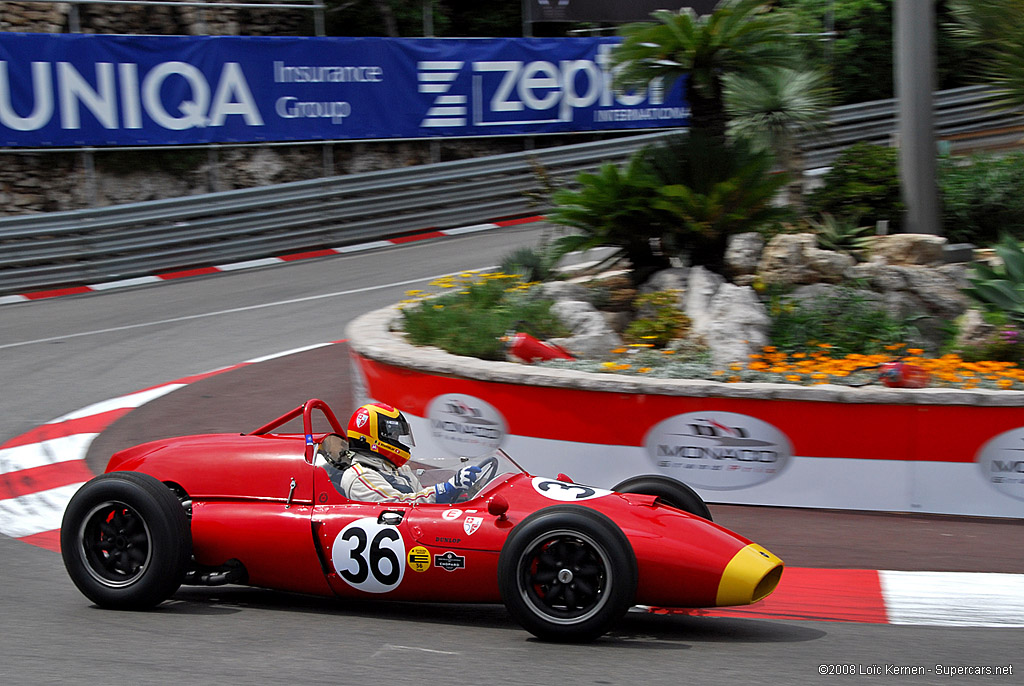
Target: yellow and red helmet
x,y
384,430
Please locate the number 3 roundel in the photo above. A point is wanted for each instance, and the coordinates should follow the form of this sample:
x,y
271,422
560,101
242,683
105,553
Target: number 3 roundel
x,y
565,491
369,556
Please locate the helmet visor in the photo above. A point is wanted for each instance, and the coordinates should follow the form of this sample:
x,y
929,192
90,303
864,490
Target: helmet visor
x,y
396,430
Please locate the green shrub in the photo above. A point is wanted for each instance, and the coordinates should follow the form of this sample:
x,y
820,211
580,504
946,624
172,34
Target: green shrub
x,y
842,234
1001,289
845,319
614,207
473,318
532,264
863,185
660,319
685,196
711,189
1005,344
982,198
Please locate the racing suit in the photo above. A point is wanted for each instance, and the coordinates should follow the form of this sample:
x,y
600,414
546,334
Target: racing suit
x,y
373,479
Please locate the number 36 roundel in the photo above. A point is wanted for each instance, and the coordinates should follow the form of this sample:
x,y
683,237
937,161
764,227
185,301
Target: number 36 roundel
x,y
369,556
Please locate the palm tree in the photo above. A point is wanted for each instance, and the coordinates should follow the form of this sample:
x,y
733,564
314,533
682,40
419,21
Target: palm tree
x,y
771,107
614,207
997,28
738,36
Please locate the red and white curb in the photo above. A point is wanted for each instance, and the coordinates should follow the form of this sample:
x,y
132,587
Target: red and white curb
x,y
265,262
976,599
42,469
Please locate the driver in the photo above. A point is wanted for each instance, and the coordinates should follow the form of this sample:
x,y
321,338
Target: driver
x,y
380,442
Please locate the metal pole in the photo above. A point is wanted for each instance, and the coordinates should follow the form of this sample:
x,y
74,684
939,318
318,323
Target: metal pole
x,y
319,21
428,18
89,164
213,173
914,40
527,20
328,159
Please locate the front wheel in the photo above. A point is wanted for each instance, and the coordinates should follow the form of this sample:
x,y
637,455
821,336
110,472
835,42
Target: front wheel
x,y
567,573
126,541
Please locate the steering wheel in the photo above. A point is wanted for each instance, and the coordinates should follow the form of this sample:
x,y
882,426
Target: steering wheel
x,y
488,470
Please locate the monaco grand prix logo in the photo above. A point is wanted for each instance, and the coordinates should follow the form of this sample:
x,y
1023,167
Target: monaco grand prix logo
x,y
1002,463
464,425
718,450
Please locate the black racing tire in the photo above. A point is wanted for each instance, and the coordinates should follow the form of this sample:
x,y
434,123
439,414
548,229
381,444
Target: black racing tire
x,y
567,573
126,541
670,491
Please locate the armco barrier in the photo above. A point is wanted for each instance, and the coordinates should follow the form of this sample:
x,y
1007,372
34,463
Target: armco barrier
x,y
927,450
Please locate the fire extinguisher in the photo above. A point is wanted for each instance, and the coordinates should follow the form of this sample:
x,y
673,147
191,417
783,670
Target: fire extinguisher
x,y
901,374
896,374
527,348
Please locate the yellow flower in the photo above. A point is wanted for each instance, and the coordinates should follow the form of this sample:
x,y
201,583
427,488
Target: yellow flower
x,y
793,377
668,352
643,370
618,351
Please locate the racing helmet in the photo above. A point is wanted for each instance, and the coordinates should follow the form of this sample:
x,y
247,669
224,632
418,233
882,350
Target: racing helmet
x,y
381,429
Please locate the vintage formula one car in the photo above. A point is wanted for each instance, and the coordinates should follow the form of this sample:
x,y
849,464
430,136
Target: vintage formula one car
x,y
264,509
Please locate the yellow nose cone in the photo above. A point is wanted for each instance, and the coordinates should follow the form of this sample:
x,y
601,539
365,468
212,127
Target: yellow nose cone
x,y
752,574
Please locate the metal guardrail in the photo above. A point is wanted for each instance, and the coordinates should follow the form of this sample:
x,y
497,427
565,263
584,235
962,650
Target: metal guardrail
x,y
119,242
124,241
959,112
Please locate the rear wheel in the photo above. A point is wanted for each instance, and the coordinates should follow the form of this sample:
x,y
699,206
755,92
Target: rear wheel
x,y
567,573
125,540
673,493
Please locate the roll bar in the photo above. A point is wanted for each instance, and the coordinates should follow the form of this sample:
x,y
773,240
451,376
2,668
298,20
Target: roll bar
x,y
306,410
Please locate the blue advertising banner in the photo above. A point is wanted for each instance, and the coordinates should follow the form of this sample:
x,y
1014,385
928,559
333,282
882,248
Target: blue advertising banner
x,y
74,89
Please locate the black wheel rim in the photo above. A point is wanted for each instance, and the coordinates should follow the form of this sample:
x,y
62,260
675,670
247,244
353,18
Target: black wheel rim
x,y
563,575
115,544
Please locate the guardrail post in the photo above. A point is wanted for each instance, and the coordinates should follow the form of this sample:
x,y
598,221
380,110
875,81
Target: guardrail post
x,y
89,167
213,173
328,157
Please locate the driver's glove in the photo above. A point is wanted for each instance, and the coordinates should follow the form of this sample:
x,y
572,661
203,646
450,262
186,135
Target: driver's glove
x,y
465,477
448,491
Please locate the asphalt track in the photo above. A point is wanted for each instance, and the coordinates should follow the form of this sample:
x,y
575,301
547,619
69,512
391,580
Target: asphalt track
x,y
58,356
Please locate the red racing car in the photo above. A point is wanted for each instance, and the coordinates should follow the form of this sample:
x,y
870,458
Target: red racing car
x,y
264,509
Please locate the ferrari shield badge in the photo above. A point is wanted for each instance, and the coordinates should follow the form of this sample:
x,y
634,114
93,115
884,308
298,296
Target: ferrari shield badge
x,y
472,524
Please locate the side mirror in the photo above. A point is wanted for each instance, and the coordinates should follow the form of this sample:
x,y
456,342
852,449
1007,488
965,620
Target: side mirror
x,y
498,506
